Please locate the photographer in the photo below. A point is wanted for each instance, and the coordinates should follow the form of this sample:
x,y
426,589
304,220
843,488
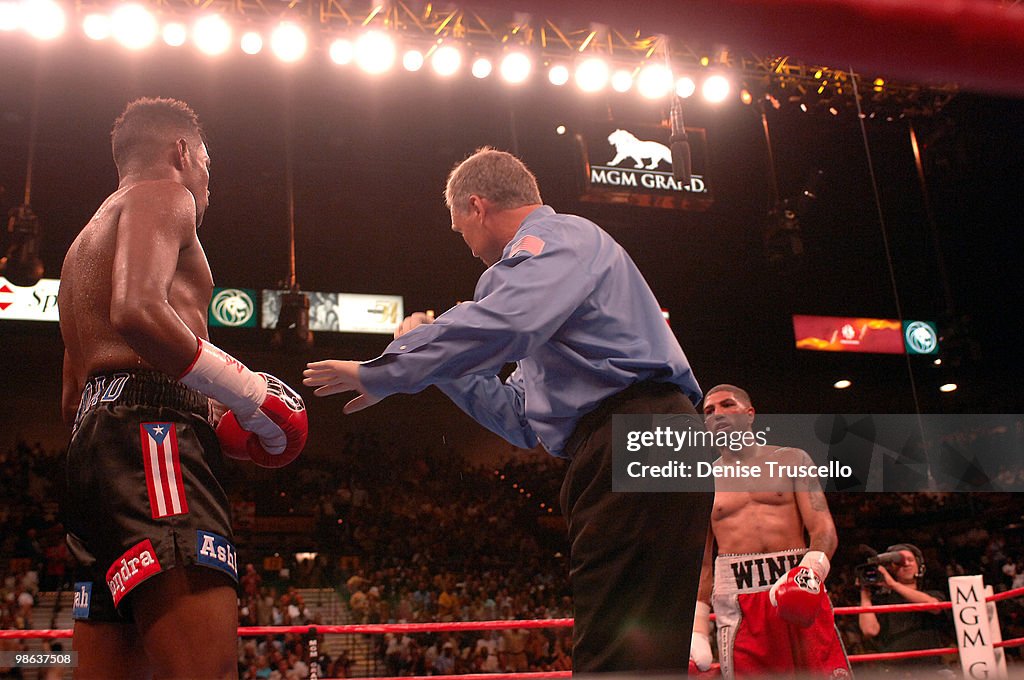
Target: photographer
x,y
894,578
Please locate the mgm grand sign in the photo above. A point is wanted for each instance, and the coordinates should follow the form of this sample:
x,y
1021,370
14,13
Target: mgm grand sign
x,y
632,164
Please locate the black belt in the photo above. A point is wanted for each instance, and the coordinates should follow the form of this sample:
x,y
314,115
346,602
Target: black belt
x,y
140,388
595,418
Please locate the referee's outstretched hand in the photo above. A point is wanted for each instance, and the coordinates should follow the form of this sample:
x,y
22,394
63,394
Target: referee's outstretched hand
x,y
336,377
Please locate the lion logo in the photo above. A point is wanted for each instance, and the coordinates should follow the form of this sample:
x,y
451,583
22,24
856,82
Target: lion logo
x,y
628,146
921,338
232,307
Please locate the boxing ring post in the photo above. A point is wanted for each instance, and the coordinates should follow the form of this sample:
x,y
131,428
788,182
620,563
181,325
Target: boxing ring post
x,y
977,628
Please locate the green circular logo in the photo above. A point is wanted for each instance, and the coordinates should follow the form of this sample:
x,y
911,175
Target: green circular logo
x,y
921,337
232,307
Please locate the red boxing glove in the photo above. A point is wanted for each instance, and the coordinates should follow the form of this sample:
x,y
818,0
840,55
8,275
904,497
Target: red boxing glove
x,y
797,596
284,410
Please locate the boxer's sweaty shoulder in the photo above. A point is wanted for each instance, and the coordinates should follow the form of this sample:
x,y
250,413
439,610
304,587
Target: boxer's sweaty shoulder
x,y
146,209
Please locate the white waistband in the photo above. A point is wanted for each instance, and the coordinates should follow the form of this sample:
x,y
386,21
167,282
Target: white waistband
x,y
753,572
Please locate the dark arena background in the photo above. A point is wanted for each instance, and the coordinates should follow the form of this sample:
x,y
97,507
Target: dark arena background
x,y
861,165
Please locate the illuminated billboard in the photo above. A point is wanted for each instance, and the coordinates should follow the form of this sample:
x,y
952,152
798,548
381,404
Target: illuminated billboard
x,y
867,335
29,303
848,334
342,312
632,164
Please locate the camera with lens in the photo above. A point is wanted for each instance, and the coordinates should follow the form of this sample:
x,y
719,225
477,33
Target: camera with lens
x,y
869,574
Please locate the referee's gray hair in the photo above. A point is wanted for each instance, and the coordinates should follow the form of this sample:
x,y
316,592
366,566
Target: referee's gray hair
x,y
495,175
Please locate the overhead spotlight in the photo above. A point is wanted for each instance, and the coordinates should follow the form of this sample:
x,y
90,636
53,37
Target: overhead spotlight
x,y
622,80
342,51
133,26
43,19
515,67
841,384
937,362
412,60
288,42
833,110
746,97
212,35
948,387
715,89
252,43
96,26
803,107
446,60
685,87
375,52
560,130
10,16
654,81
482,68
592,74
558,75
175,34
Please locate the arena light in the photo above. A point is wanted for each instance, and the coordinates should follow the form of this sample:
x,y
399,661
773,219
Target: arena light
x,y
622,80
515,67
10,16
482,68
592,74
288,42
685,87
175,34
560,130
96,26
948,387
446,60
841,384
43,19
412,60
251,43
212,35
133,26
375,52
715,89
746,97
558,75
342,51
654,81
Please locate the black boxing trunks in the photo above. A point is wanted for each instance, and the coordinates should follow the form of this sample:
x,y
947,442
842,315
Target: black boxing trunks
x,y
142,495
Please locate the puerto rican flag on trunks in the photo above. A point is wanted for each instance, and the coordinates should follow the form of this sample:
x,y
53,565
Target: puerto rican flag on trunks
x,y
163,470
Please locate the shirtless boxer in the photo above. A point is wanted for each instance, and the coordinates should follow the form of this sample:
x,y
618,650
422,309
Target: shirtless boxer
x,y
771,609
147,519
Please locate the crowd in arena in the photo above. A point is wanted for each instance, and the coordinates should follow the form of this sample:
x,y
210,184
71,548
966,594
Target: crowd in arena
x,y
407,536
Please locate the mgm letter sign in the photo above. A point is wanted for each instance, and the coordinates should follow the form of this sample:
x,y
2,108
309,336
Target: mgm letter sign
x,y
632,164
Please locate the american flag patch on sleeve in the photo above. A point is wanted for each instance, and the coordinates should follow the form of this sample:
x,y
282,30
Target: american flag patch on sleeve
x,y
527,244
